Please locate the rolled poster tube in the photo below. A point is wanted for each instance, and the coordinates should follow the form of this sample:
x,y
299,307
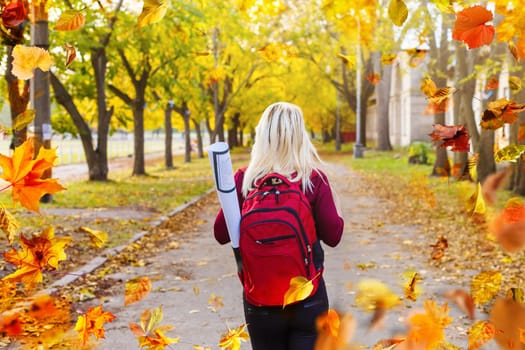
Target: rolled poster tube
x,y
221,165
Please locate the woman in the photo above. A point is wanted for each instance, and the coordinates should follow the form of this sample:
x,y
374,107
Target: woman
x,y
282,146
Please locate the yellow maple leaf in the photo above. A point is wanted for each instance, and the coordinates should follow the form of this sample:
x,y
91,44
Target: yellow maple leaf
x,y
39,253
28,58
479,334
136,289
152,12
98,238
485,286
300,288
8,224
397,12
93,323
24,173
232,339
476,203
70,20
150,334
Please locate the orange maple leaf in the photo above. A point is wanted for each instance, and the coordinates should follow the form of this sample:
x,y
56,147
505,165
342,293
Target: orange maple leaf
x,y
470,27
24,173
334,330
93,323
41,252
42,307
427,328
500,112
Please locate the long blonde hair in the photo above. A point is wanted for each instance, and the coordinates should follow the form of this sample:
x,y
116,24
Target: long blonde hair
x,y
282,145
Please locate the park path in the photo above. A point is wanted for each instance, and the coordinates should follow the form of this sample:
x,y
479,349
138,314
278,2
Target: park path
x,y
188,275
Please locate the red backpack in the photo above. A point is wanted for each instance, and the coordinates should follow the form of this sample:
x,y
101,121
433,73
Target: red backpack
x,y
277,235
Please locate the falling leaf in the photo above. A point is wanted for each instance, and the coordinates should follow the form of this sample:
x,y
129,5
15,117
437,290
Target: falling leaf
x,y
28,58
493,183
24,173
484,286
42,307
98,238
388,58
71,54
375,296
426,329
23,119
93,323
70,20
515,83
13,13
397,12
8,224
300,288
233,338
470,27
463,300
511,153
136,289
479,334
42,251
10,324
374,78
516,294
500,112
476,203
507,317
508,226
150,334
153,11
455,136
411,292
334,330
416,56
444,6
349,61
492,84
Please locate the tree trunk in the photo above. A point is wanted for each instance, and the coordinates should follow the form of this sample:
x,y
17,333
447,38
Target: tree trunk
x,y
18,98
198,132
383,99
39,89
139,165
168,144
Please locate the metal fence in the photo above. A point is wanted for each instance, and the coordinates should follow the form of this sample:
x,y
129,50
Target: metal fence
x,y
70,151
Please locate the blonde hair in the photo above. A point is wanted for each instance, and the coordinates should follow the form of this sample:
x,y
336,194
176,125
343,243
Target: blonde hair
x,y
282,145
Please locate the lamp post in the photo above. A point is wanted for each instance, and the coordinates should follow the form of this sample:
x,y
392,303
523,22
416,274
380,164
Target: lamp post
x,y
358,146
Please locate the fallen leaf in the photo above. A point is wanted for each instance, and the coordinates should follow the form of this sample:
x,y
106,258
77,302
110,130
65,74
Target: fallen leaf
x,y
471,28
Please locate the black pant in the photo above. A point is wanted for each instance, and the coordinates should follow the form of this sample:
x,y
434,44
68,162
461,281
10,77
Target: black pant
x,y
291,328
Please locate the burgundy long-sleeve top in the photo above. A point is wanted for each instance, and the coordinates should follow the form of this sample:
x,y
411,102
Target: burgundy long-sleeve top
x,y
328,223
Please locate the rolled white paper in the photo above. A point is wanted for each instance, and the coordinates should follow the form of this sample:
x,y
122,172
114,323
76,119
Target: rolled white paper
x,y
221,165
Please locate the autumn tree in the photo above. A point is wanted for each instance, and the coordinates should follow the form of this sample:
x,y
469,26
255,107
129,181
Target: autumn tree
x,y
71,91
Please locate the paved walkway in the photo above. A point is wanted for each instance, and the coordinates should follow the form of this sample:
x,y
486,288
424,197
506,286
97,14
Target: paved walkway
x,y
185,279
